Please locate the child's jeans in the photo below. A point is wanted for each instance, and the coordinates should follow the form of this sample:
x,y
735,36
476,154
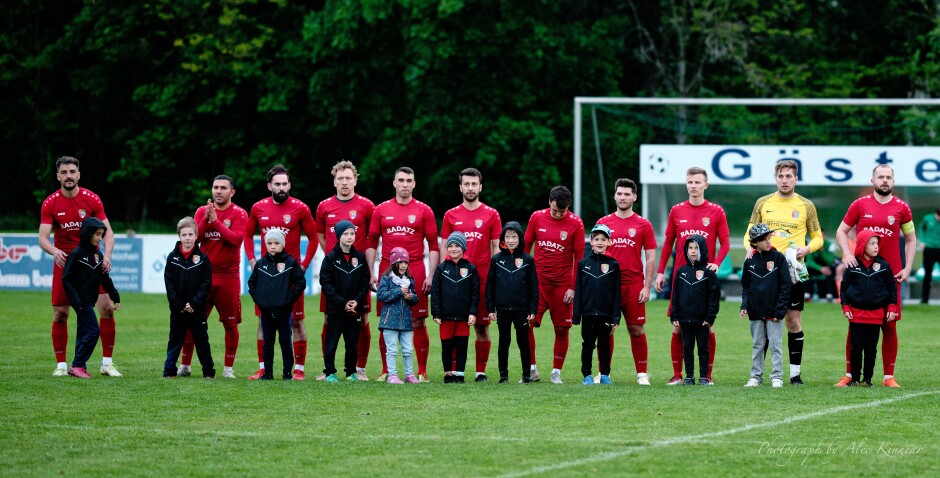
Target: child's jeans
x,y
764,333
86,335
392,339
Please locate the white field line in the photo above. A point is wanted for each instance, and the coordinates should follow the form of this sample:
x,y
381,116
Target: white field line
x,y
610,455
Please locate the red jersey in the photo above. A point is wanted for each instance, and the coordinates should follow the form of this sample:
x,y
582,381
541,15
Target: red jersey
x,y
66,216
707,220
357,210
221,239
291,217
629,237
481,226
403,225
558,246
884,219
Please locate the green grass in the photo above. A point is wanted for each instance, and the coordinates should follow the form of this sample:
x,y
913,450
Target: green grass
x,y
143,425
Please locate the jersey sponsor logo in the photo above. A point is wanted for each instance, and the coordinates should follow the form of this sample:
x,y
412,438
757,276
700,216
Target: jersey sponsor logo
x,y
399,230
264,231
464,272
82,213
699,275
196,259
287,219
352,214
473,235
70,225
876,267
890,220
770,265
691,232
881,231
518,262
563,235
631,232
622,241
478,223
551,245
213,235
280,267
605,268
705,221
412,218
795,215
354,261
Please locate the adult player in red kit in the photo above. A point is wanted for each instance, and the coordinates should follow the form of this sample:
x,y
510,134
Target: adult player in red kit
x,y
221,225
887,216
557,238
407,223
347,205
482,226
631,243
707,219
62,214
292,217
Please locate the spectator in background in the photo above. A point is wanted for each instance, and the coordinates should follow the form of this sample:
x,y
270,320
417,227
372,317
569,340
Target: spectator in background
x,y
930,235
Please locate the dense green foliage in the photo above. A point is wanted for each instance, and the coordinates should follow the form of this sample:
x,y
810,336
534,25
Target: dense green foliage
x,y
156,97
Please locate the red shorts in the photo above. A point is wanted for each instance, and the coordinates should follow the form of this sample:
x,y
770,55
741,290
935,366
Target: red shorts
x,y
900,303
419,310
552,299
225,296
483,315
634,313
368,304
58,290
298,311
453,328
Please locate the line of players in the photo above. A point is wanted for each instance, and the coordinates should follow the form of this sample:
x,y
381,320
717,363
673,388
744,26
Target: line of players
x,y
555,234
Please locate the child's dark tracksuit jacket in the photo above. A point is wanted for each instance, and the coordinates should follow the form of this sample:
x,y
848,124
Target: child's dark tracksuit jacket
x,y
695,291
188,279
597,289
765,282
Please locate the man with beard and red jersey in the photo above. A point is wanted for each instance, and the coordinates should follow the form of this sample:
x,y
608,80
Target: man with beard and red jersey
x,y
221,225
887,216
631,243
557,237
349,206
482,226
291,216
707,219
62,215
407,223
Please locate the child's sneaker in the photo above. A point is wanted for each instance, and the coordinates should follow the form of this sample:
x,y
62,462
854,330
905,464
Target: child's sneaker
x,y
449,378
79,372
411,379
642,379
689,381
480,378
321,377
675,380
588,380
843,382
503,379
393,379
753,382
605,380
777,383
351,378
705,381
332,378
796,380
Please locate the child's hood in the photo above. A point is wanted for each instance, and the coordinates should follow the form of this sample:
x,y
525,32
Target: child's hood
x,y
862,239
89,226
702,250
515,226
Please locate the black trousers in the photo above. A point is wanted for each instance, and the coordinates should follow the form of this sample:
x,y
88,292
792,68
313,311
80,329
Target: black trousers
x,y
277,324
692,333
864,340
86,335
195,323
348,327
931,258
595,333
452,346
505,321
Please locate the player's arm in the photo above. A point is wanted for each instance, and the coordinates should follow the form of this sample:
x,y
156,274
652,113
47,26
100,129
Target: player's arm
x,y
650,271
578,249
108,241
248,238
430,234
842,238
529,236
668,243
309,227
232,235
45,233
724,238
446,229
814,230
910,249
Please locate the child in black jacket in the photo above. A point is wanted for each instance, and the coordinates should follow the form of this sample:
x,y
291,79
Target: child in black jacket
x,y
512,297
455,296
188,278
597,301
695,298
276,282
82,276
344,282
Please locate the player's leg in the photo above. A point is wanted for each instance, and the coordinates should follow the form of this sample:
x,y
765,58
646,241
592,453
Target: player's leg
x,y
711,351
537,322
795,334
848,360
364,344
60,323
483,344
889,346
931,257
522,327
178,329
419,314
285,326
299,332
634,314
106,326
561,320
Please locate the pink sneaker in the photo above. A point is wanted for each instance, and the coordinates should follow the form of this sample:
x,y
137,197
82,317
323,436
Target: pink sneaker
x,y
412,379
393,379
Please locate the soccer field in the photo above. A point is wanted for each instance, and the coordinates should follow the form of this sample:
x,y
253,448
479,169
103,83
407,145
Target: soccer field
x,y
144,425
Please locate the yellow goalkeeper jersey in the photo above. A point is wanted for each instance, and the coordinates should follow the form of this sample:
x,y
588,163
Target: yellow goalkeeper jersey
x,y
792,219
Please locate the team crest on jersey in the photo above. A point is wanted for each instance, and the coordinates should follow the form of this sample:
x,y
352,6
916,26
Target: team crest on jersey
x,y
352,214
876,267
280,267
478,223
518,262
631,232
464,272
227,222
770,265
796,214
699,275
354,261
82,213
287,219
412,218
196,259
705,221
605,268
890,220
564,235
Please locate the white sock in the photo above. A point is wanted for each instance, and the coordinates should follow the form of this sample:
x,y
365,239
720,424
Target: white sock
x,y
478,374
261,365
226,369
848,375
184,367
888,376
61,365
105,361
794,370
358,369
299,367
556,370
459,374
532,368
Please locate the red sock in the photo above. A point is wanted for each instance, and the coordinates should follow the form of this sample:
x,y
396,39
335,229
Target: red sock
x,y
532,344
60,340
453,363
640,352
231,345
848,353
106,324
711,353
382,351
260,348
300,352
483,354
676,350
186,357
889,346
323,338
561,347
362,347
422,344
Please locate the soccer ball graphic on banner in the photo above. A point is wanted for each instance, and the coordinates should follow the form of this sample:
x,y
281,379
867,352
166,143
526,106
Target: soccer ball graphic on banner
x,y
658,164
